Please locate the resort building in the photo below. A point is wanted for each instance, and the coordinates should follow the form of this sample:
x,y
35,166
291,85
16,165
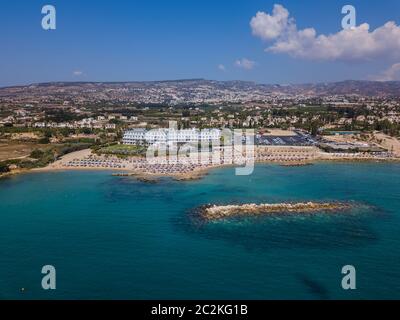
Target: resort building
x,y
134,136
169,136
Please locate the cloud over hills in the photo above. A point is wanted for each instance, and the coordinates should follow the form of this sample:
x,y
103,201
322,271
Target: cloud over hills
x,y
390,74
359,43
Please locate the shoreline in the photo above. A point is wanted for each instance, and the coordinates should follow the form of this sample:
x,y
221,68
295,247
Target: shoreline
x,y
197,174
126,168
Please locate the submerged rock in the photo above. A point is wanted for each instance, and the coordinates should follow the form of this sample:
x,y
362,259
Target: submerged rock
x,y
148,179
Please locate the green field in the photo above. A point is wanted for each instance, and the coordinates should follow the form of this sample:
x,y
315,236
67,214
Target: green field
x,y
123,150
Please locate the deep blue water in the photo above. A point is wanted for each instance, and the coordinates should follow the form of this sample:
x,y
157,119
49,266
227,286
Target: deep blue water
x,y
116,237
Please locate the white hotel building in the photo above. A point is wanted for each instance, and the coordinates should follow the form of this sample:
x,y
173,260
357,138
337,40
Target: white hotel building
x,y
169,136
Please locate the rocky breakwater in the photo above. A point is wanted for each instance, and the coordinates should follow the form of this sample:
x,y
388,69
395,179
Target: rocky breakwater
x,y
214,212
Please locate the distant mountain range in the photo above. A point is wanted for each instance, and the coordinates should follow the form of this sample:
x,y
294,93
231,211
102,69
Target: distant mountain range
x,y
193,90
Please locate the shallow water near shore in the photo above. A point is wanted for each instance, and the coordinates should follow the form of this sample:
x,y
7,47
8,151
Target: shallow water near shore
x,y
116,237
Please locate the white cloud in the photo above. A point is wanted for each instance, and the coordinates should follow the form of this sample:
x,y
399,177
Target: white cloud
x,y
77,73
269,27
245,64
390,74
221,67
358,43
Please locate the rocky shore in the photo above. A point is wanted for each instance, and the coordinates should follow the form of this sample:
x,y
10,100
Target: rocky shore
x,y
13,173
214,212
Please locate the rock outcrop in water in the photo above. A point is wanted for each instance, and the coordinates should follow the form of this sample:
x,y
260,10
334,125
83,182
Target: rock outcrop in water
x,y
221,212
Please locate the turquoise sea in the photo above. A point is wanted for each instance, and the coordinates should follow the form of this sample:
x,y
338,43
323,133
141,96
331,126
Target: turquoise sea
x,y
118,238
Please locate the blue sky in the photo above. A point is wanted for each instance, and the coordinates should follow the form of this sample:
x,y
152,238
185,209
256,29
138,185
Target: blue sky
x,y
129,40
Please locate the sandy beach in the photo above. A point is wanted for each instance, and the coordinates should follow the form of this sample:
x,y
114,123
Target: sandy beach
x,y
132,166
